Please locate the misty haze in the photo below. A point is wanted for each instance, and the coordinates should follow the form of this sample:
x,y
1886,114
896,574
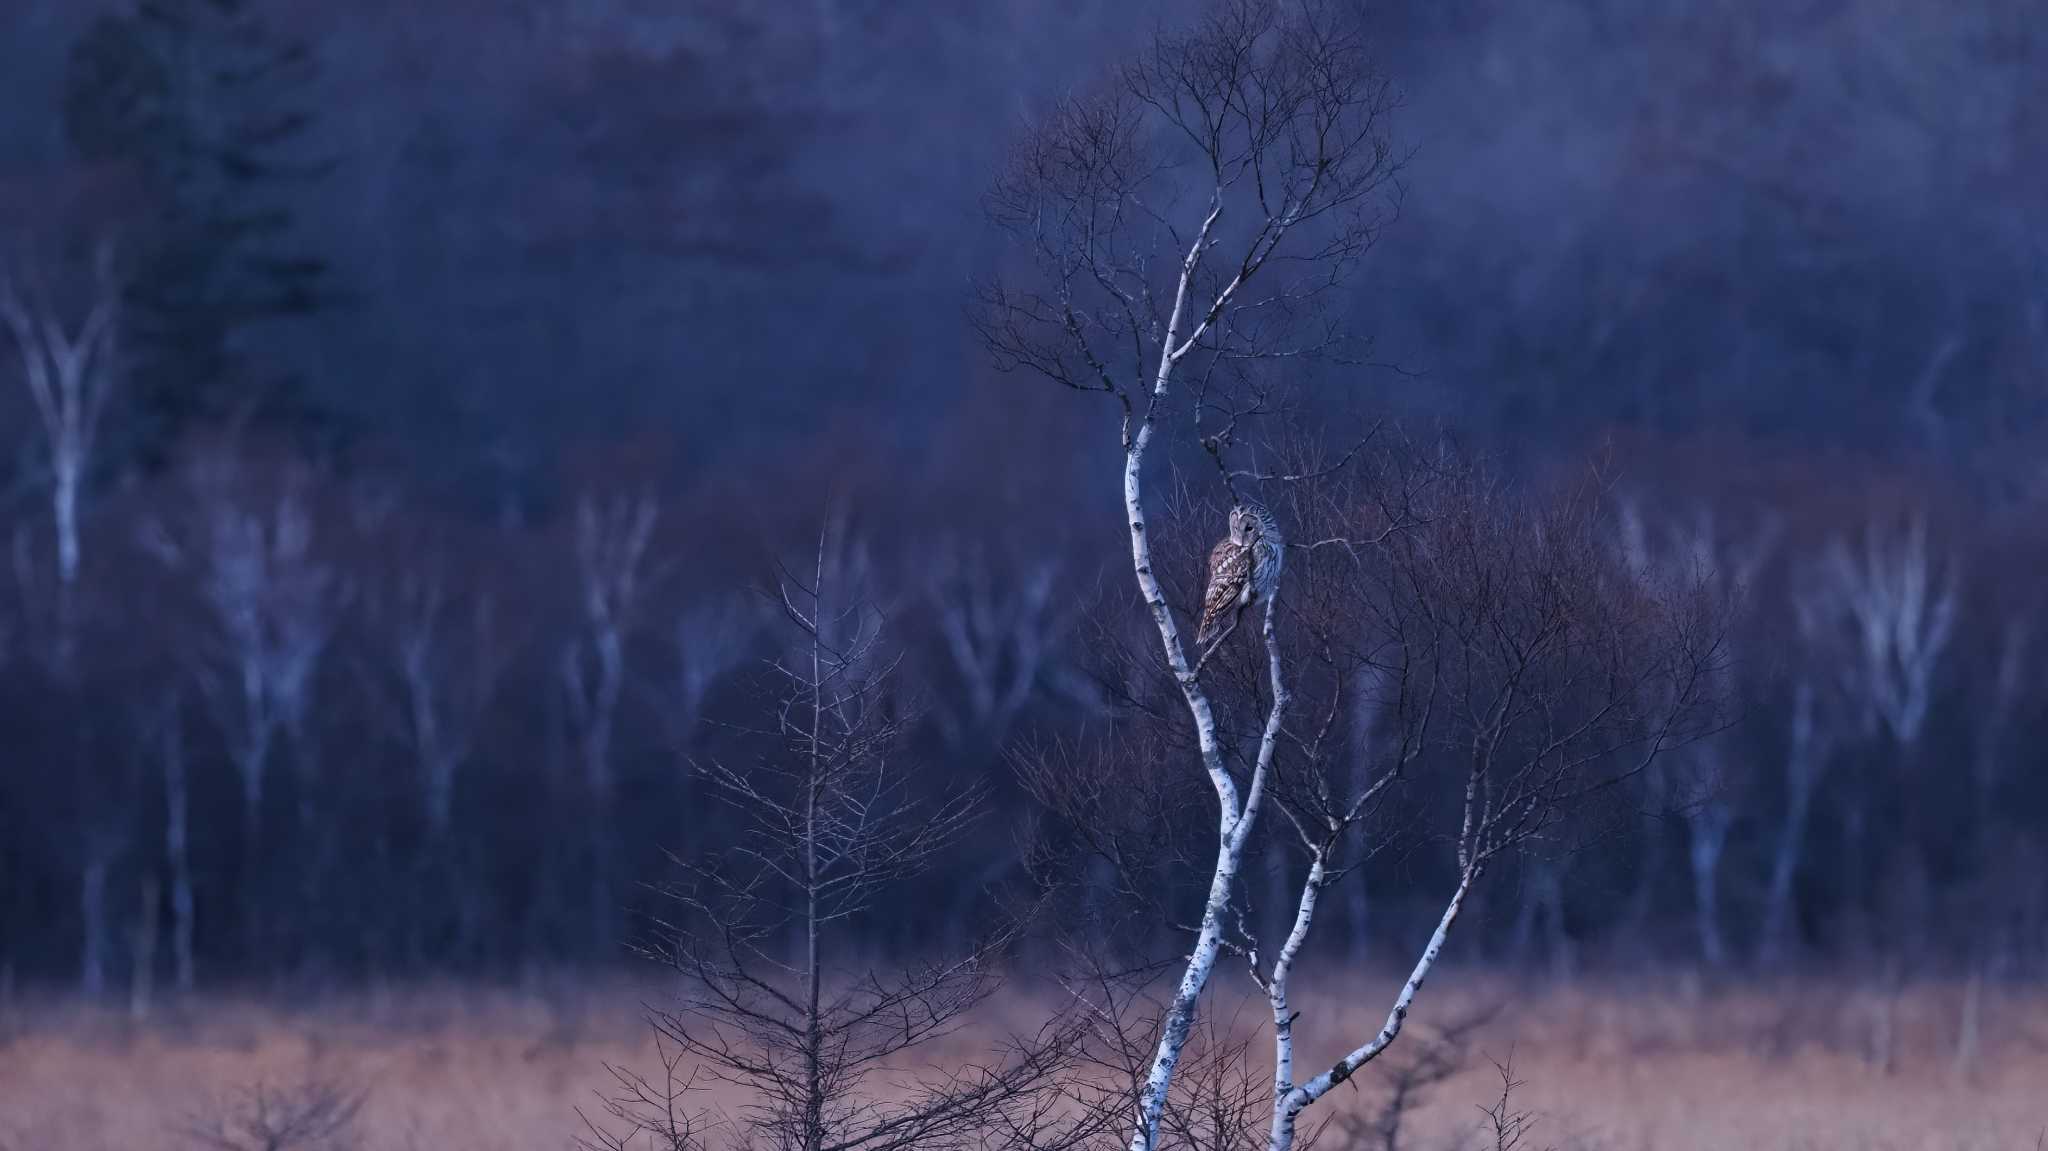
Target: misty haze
x,y
881,575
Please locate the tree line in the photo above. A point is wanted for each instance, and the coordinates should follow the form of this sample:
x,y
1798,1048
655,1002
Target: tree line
x,y
288,705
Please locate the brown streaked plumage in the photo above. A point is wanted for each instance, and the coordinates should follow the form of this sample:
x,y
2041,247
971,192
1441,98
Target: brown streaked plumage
x,y
1243,569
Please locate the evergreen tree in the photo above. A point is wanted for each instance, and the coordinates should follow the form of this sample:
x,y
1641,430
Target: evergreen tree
x,y
205,106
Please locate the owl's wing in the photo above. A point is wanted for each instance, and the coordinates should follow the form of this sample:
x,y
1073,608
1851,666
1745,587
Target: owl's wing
x,y
1230,567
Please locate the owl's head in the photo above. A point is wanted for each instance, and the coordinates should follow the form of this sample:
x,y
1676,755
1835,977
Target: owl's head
x,y
1244,525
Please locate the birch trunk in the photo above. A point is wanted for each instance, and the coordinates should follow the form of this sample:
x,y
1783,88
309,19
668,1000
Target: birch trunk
x,y
70,375
64,500
1285,114
92,909
1281,1133
1235,816
1287,1107
64,511
254,764
1708,825
177,832
1802,771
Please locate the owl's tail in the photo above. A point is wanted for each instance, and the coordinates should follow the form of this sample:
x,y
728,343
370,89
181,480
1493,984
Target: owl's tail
x,y
1216,620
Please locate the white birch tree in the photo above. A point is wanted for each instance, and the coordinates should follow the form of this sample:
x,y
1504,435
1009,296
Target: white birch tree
x,y
445,658
68,366
1002,625
269,594
1888,611
711,640
1878,615
1698,552
270,603
1465,654
1181,221
71,371
612,572
1185,224
1810,739
438,649
1507,641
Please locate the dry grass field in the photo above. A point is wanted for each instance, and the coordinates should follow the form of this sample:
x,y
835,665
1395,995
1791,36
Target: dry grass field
x,y
1668,1068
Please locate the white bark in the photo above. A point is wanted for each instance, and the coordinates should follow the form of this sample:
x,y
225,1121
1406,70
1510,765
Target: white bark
x,y
1880,617
70,375
711,640
177,832
1281,1132
1804,762
1505,804
1708,824
611,546
1896,601
1285,115
1288,1105
445,684
1696,553
1709,817
272,601
1000,638
1235,815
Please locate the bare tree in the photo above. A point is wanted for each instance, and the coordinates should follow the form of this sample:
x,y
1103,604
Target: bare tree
x,y
438,651
1701,554
1185,226
711,640
1992,945
1409,1082
445,664
612,539
1186,222
1806,756
1513,644
1002,625
830,825
71,372
1505,671
312,1115
1880,617
1888,609
270,602
1507,1127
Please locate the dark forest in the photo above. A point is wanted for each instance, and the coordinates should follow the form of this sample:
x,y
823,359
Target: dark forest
x,y
428,423
435,323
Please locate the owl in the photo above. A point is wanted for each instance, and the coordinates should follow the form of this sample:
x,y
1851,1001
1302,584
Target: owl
x,y
1243,569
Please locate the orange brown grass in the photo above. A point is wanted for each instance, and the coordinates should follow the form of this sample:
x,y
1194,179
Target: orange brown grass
x,y
1665,1067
